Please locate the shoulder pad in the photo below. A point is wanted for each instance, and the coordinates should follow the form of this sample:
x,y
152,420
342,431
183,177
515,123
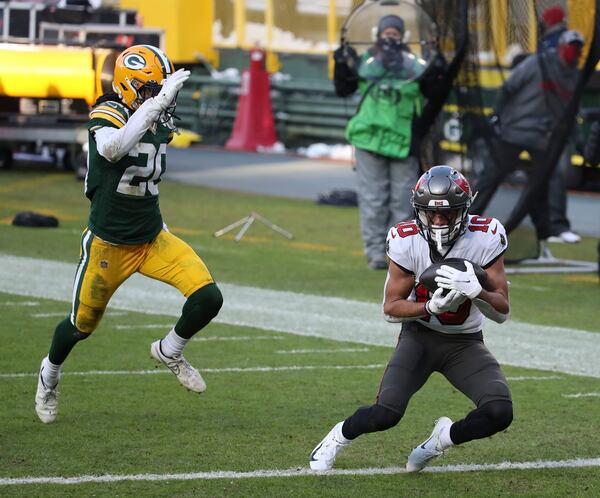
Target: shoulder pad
x,y
111,111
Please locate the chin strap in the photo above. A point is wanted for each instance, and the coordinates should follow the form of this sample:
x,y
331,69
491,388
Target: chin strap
x,y
489,311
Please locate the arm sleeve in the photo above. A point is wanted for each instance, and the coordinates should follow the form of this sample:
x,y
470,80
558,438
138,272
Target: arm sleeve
x,y
399,251
113,143
496,243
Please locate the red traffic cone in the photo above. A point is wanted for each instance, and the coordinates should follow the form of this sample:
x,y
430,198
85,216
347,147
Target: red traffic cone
x,y
254,124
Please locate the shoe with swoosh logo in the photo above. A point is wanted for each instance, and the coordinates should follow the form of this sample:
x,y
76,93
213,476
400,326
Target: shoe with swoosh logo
x,y
323,456
429,449
186,374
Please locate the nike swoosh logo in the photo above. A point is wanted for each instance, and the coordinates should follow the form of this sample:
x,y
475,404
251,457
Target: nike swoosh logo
x,y
312,455
423,445
494,230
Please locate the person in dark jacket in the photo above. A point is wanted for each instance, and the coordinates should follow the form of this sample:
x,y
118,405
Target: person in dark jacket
x,y
552,26
528,107
392,82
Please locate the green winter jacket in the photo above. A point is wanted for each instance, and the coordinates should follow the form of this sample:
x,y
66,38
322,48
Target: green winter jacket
x,y
383,122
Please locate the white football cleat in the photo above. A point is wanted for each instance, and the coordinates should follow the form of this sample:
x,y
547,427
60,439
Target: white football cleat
x,y
323,456
186,374
429,449
566,237
46,401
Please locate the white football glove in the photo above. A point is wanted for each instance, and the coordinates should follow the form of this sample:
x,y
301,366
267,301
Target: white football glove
x,y
170,87
464,282
440,304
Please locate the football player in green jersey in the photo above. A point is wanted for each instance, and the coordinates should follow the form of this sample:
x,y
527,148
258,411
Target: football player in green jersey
x,y
128,134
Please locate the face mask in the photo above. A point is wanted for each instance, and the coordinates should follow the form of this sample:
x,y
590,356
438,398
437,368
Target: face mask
x,y
569,54
389,44
391,52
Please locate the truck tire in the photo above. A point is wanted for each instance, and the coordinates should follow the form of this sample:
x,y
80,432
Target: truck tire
x,y
6,159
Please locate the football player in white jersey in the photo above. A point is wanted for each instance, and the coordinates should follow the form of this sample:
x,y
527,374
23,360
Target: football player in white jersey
x,y
441,332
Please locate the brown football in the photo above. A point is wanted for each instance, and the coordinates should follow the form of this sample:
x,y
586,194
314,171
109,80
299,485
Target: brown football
x,y
427,278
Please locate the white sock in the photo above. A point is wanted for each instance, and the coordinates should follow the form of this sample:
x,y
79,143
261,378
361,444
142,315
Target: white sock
x,y
50,373
445,439
172,345
339,435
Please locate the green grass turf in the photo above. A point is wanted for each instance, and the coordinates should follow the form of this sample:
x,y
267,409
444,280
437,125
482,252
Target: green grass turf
x,y
246,421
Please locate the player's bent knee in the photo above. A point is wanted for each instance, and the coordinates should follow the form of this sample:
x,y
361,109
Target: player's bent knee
x,y
499,413
88,319
368,419
208,298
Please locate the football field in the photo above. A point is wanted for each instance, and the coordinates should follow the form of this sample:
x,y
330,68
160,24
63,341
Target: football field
x,y
298,346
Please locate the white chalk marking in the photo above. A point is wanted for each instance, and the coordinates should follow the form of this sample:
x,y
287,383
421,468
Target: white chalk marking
x,y
17,375
582,395
20,303
513,343
301,472
311,351
238,338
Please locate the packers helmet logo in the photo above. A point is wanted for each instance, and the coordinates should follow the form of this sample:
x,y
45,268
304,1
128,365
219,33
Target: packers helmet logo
x,y
134,61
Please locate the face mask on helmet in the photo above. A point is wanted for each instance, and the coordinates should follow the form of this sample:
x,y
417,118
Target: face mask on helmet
x,y
441,227
441,200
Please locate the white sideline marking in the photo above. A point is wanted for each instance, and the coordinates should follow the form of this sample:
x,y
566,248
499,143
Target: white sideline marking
x,y
238,338
302,472
513,343
534,377
148,326
203,370
155,371
582,395
341,350
20,303
48,315
64,314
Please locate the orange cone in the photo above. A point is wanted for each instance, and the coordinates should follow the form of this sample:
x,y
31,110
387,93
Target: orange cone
x,y
254,124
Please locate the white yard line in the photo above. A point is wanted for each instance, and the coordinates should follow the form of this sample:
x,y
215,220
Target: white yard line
x,y
582,395
288,368
147,326
319,351
514,343
20,303
300,472
52,314
204,370
210,338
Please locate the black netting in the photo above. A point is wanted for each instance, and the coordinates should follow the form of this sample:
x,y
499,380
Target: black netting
x,y
473,36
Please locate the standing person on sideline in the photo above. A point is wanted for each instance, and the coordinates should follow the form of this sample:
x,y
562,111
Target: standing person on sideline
x,y
128,135
529,105
381,130
552,26
440,333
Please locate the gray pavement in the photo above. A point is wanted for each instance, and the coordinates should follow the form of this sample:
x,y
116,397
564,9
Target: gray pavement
x,y
303,178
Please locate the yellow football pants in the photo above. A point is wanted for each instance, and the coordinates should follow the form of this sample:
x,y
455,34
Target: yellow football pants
x,y
103,267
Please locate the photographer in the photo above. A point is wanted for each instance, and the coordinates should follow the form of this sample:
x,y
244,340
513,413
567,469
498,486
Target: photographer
x,y
381,131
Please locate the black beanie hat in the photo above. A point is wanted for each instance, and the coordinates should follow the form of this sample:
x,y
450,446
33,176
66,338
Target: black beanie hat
x,y
390,21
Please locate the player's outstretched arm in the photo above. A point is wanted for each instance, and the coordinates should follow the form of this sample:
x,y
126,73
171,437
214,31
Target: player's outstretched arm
x,y
113,143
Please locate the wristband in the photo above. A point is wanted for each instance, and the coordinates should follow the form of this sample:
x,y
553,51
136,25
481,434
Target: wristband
x,y
426,309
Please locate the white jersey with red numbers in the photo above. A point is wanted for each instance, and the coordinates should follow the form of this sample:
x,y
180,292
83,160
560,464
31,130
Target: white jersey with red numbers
x,y
483,242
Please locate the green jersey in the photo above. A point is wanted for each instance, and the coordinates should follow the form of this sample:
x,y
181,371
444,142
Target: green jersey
x,y
124,195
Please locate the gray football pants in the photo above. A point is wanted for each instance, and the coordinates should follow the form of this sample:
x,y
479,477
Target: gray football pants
x,y
462,358
384,192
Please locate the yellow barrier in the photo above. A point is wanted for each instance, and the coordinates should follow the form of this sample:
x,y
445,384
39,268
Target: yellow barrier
x,y
60,72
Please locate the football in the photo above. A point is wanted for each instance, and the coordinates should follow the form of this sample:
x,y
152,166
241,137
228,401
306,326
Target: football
x,y
427,278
